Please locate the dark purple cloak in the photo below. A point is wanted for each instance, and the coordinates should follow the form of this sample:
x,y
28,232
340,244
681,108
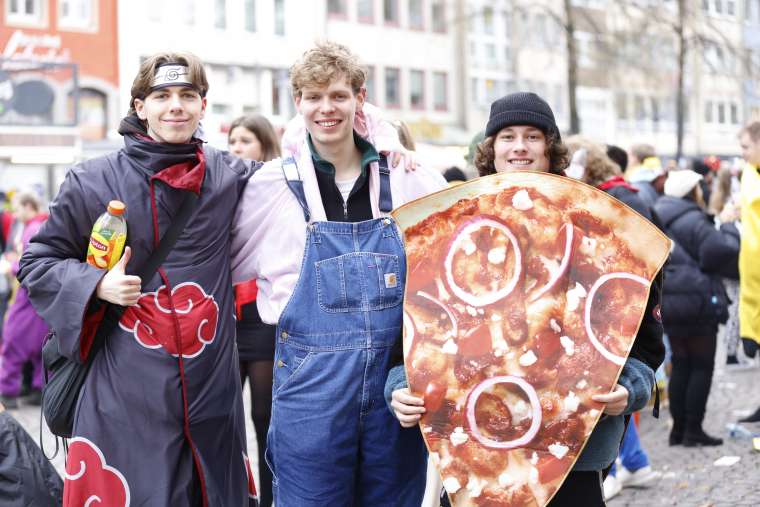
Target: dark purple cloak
x,y
130,446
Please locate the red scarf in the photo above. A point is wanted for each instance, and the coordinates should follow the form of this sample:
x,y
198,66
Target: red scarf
x,y
616,181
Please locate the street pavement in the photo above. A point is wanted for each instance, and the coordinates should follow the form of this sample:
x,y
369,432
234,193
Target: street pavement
x,y
689,476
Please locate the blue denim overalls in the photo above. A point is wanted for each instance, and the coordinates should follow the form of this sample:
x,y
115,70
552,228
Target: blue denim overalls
x,y
332,440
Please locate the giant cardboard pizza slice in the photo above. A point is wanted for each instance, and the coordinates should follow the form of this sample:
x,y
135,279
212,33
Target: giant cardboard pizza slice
x,y
524,293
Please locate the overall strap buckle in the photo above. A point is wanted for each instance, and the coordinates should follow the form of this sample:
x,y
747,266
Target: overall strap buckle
x,y
295,184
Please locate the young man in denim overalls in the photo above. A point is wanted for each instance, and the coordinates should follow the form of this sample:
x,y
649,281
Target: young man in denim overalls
x,y
314,230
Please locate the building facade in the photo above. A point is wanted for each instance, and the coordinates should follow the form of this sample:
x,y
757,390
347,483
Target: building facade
x,y
59,80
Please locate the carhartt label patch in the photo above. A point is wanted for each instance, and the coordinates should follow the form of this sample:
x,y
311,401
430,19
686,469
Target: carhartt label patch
x,y
390,280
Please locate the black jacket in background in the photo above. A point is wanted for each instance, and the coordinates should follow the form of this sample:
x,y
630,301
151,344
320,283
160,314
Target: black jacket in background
x,y
694,299
648,346
26,477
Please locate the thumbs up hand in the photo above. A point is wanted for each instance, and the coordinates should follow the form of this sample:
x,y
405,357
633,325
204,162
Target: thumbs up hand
x,y
117,287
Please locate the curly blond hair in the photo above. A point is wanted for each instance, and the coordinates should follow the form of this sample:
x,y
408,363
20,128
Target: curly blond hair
x,y
599,166
324,63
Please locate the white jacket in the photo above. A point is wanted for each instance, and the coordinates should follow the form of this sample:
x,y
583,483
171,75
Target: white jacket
x,y
269,231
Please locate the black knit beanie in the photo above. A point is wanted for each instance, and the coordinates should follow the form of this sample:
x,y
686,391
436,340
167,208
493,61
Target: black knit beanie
x,y
521,108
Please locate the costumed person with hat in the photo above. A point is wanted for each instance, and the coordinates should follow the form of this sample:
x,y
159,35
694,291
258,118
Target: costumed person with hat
x,y
159,419
694,301
313,229
749,267
522,134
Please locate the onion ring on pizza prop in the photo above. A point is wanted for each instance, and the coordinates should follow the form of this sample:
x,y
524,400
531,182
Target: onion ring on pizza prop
x,y
535,405
454,329
619,360
463,232
557,275
409,333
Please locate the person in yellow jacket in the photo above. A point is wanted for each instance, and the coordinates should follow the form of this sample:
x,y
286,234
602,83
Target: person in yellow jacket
x,y
749,268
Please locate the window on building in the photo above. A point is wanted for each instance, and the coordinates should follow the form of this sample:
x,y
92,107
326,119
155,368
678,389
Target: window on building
x,y
77,14
188,12
507,16
224,110
24,11
438,16
220,14
336,8
639,108
621,106
369,84
250,15
392,87
417,89
721,112
365,11
492,90
730,7
655,108
490,50
279,17
416,16
708,111
753,11
539,30
390,12
705,5
734,114
474,90
93,117
718,6
488,20
440,91
281,103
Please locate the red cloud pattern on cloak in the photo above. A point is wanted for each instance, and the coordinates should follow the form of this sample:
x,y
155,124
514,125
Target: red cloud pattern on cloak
x,y
89,480
152,323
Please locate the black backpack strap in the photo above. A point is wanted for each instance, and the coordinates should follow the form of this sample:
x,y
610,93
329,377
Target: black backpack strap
x,y
295,184
385,203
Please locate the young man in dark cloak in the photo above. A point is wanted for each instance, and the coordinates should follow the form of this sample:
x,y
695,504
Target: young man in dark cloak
x,y
160,417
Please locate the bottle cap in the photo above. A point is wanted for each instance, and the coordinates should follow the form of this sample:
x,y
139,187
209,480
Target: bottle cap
x,y
116,207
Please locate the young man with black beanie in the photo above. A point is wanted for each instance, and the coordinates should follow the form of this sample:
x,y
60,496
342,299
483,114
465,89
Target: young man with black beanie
x,y
522,134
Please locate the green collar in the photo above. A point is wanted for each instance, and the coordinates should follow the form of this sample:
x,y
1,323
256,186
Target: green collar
x,y
369,154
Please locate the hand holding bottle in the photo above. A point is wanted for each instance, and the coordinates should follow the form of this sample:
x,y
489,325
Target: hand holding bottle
x,y
117,287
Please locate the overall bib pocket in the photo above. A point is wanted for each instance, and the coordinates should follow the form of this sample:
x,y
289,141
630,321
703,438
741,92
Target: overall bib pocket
x,y
358,281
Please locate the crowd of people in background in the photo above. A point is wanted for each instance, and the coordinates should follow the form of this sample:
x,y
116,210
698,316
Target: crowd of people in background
x,y
708,290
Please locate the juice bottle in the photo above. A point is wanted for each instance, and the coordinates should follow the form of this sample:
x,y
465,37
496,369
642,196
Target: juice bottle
x,y
108,237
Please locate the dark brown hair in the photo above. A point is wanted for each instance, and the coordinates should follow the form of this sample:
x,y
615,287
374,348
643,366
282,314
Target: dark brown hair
x,y
556,152
264,131
141,86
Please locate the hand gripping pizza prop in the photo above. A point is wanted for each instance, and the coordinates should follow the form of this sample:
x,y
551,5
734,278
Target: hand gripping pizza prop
x,y
524,294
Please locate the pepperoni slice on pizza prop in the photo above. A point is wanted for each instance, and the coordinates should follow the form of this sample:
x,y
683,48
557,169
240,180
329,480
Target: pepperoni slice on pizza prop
x,y
524,293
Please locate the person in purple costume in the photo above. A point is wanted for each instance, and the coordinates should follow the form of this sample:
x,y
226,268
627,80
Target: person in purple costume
x,y
24,331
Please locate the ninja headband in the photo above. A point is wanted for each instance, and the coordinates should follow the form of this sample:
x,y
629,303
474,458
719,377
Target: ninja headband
x,y
171,74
